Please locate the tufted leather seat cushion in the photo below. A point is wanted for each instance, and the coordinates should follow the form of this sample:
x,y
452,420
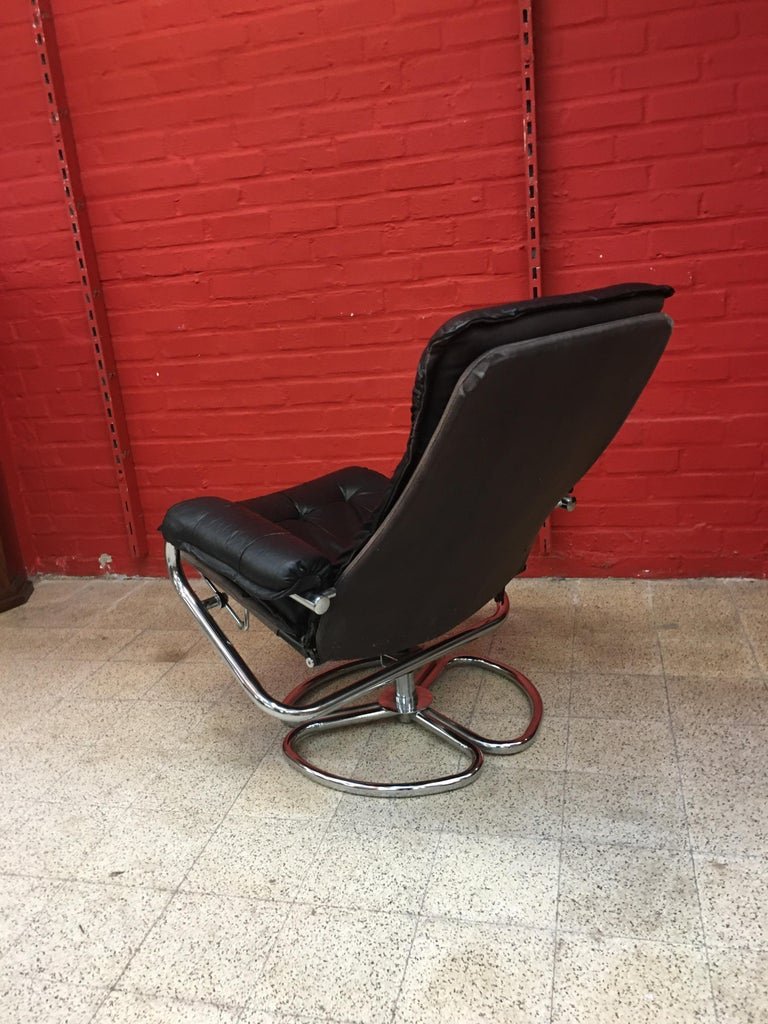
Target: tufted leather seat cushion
x,y
292,541
332,513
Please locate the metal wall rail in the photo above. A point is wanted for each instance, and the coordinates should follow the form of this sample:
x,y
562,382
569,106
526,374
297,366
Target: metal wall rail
x,y
530,156
528,82
88,275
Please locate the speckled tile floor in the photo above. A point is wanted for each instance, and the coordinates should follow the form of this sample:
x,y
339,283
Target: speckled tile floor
x,y
160,863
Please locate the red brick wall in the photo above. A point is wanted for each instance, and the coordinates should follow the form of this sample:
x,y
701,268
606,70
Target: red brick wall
x,y
287,198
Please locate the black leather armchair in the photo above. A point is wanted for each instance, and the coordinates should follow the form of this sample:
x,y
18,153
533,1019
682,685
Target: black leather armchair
x,y
511,406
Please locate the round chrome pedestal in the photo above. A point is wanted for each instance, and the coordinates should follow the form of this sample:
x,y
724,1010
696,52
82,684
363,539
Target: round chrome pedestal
x,y
410,700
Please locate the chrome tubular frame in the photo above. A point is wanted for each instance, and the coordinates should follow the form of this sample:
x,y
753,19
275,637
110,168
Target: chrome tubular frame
x,y
286,711
376,713
410,700
406,695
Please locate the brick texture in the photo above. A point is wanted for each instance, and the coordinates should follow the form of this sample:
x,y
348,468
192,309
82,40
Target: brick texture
x,y
288,197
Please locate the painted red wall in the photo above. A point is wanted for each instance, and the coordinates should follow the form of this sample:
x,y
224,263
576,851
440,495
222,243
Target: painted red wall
x,y
288,197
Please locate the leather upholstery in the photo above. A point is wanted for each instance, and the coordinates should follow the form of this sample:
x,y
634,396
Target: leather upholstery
x,y
511,406
464,338
332,513
291,542
524,423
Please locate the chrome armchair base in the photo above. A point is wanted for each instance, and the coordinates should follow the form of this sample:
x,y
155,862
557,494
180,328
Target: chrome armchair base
x,y
403,690
409,700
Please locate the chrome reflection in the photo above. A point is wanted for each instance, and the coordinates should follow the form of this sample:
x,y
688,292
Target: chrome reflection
x,y
405,686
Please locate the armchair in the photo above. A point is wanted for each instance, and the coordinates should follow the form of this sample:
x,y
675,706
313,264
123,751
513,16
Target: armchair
x,y
512,405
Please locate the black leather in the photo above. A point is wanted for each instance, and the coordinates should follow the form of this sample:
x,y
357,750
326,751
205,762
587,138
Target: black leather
x,y
524,423
464,338
282,615
332,513
290,542
511,406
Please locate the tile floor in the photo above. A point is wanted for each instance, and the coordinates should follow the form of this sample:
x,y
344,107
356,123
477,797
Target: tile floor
x,y
160,862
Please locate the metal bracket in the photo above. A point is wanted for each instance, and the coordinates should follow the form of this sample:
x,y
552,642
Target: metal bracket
x,y
221,600
317,603
568,503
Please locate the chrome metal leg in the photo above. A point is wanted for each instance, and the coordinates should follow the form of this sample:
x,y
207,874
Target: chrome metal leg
x,y
405,694
286,710
519,681
375,713
403,688
410,702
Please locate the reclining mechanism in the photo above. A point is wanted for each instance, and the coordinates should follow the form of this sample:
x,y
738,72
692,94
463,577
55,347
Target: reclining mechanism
x,y
512,405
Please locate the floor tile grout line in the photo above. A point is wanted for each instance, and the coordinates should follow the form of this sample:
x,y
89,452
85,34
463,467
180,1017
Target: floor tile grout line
x,y
416,916
97,1009
444,825
329,824
175,892
501,924
108,989
78,987
290,906
556,929
523,927
621,844
61,883
192,1003
440,832
689,844
111,988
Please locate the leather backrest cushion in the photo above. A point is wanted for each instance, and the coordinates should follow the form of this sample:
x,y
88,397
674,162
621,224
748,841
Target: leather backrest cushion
x,y
466,337
524,423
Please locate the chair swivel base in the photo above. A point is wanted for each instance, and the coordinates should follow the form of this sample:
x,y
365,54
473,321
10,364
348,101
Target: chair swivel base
x,y
410,700
404,689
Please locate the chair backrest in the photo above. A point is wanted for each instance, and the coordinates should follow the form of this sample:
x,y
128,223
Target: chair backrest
x,y
465,337
501,431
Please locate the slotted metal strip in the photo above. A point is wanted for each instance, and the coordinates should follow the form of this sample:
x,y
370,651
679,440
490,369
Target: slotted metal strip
x,y
88,275
530,156
527,71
